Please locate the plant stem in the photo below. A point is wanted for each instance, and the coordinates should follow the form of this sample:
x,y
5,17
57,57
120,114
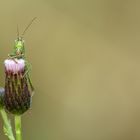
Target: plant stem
x,y
18,127
7,125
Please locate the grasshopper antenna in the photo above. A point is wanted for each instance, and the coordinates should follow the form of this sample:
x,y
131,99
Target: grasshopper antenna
x,y
17,32
28,26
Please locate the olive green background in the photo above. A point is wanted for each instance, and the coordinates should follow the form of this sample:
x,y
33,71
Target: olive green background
x,y
85,57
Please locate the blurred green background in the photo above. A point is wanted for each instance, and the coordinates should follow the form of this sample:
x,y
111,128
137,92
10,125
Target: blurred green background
x,y
85,56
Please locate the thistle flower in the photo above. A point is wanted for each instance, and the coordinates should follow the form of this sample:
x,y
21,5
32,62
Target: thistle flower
x,y
17,97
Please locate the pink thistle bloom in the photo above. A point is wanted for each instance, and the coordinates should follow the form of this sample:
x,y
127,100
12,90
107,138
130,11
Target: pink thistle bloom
x,y
17,97
14,66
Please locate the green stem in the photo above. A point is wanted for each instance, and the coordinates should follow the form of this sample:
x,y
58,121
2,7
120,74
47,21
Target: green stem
x,y
18,127
7,125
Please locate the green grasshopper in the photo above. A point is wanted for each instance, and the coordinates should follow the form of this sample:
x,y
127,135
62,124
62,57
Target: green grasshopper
x,y
19,53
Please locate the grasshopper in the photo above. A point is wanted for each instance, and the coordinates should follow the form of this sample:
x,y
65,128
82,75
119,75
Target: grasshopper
x,y
19,53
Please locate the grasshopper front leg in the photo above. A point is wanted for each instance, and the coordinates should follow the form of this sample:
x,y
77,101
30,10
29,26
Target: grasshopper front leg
x,y
12,56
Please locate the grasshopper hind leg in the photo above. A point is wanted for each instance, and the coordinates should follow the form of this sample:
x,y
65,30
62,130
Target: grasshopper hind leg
x,y
26,74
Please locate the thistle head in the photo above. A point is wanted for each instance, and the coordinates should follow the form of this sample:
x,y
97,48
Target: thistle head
x,y
17,97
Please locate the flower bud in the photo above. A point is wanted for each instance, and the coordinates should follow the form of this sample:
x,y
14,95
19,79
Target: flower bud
x,y
17,97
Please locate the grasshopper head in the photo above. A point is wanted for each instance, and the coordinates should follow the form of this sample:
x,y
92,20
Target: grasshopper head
x,y
19,46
